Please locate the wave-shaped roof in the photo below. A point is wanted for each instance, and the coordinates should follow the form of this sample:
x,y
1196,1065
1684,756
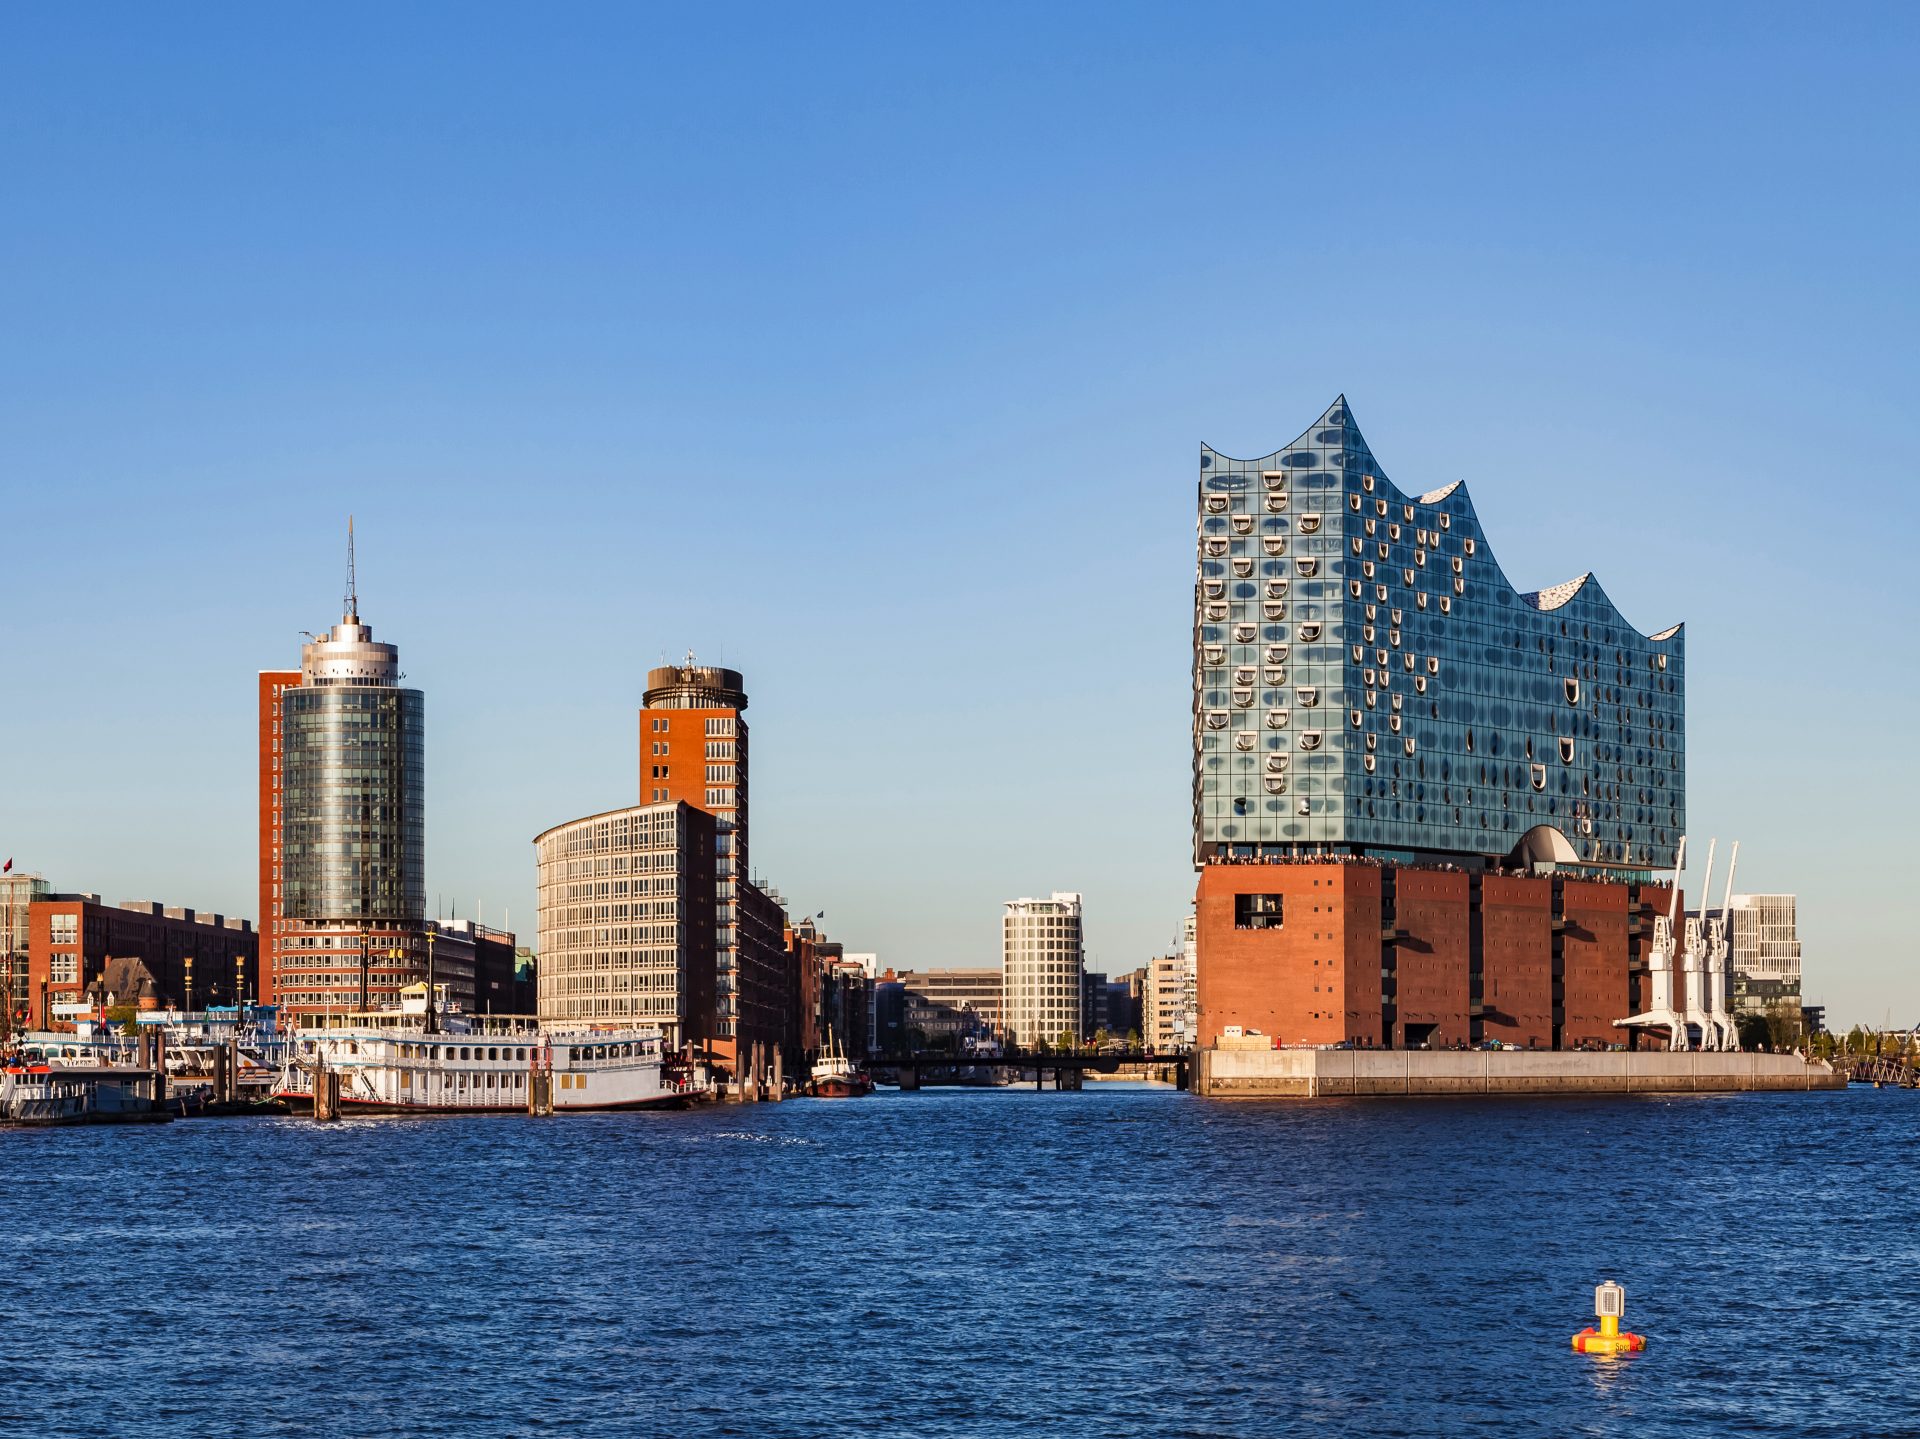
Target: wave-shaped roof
x,y
1336,427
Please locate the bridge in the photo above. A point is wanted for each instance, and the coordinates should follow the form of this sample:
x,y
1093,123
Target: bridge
x,y
1871,1069
913,1068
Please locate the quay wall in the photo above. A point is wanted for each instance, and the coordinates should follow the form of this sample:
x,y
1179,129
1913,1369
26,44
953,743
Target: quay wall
x,y
1328,1073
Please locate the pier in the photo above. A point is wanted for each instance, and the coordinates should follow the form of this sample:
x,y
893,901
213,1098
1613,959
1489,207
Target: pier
x,y
1414,1073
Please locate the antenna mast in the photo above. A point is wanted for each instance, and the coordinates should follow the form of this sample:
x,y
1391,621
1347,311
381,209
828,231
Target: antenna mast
x,y
353,590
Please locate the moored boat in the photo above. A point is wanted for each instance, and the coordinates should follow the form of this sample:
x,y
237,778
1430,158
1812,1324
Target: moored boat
x,y
835,1076
408,1061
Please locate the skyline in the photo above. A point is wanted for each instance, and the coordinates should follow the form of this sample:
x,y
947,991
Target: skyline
x,y
909,441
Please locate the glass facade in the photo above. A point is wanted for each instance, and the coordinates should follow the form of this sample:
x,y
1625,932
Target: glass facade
x,y
1367,681
354,799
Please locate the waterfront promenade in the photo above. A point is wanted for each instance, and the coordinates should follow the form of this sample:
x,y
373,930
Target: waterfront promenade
x,y
970,1264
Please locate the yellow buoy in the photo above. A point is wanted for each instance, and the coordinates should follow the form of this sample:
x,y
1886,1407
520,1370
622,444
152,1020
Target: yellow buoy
x,y
1609,1307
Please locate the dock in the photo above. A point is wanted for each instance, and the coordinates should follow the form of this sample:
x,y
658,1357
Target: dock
x,y
1439,1074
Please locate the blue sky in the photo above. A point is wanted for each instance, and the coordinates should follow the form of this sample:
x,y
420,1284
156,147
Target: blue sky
x,y
869,349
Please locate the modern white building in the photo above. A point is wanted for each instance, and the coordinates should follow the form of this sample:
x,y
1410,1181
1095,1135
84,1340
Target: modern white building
x,y
1170,1007
627,920
1043,952
1766,952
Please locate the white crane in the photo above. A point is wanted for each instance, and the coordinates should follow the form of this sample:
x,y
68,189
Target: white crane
x,y
1693,963
1659,991
1719,952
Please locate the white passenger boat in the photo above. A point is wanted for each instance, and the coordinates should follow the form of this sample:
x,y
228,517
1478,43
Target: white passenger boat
x,y
406,1062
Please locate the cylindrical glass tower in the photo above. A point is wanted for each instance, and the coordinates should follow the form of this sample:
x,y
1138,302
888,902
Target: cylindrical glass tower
x,y
354,784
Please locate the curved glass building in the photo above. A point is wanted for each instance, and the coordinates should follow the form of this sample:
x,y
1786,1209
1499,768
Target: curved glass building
x,y
1367,681
354,783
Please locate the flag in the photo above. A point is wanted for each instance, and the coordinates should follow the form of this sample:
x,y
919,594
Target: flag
x,y
4,868
821,915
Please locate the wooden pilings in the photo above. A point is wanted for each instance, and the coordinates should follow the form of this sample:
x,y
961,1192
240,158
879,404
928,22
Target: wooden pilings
x,y
326,1092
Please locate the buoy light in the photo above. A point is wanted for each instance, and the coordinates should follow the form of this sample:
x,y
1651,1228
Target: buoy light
x,y
1609,1307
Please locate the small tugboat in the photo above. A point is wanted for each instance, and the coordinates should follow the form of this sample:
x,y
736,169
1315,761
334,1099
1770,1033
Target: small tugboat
x,y
836,1077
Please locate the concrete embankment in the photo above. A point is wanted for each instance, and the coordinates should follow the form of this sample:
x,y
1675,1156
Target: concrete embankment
x,y
1328,1073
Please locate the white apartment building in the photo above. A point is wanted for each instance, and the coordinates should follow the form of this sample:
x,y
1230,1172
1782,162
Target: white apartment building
x,y
1170,1008
1043,952
1766,951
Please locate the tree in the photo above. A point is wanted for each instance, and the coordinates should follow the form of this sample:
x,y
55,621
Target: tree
x,y
1133,1039
1066,1041
1754,1031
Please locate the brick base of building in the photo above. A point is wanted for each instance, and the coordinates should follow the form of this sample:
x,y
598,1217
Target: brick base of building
x,y
1383,956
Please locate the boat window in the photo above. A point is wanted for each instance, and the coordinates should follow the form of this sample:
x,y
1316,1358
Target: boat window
x,y
1310,739
1242,568
1274,544
1309,524
1276,719
1353,502
1274,610
1243,740
1276,503
1276,654
1216,504
1309,633
1274,478
1242,524
1275,784
1246,634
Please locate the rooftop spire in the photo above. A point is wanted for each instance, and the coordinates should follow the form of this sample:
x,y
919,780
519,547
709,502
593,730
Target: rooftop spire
x,y
353,592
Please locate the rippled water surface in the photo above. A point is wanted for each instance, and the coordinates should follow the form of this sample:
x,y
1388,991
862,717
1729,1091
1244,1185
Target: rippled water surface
x,y
1116,1262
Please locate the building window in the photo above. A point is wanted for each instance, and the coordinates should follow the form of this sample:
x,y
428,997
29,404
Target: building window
x,y
1257,911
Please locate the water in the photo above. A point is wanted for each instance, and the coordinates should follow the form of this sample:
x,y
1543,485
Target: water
x,y
948,1263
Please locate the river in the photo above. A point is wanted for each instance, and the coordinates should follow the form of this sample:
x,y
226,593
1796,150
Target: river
x,y
1122,1261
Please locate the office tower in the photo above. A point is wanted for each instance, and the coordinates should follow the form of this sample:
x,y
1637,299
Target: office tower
x,y
1042,955
693,748
693,743
627,920
342,823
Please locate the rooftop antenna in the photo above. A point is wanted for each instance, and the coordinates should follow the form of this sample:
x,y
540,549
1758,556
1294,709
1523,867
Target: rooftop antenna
x,y
353,590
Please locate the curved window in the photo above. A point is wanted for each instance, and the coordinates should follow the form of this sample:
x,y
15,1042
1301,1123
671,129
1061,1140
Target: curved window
x,y
1242,524
1275,784
1274,479
1243,740
1242,568
1216,719
1277,764
1276,503
1566,751
1216,504
1539,775
1246,634
1274,544
1213,589
1310,739
1215,654
1215,547
1309,524
1309,633
1308,568
1276,719
1572,686
1276,654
